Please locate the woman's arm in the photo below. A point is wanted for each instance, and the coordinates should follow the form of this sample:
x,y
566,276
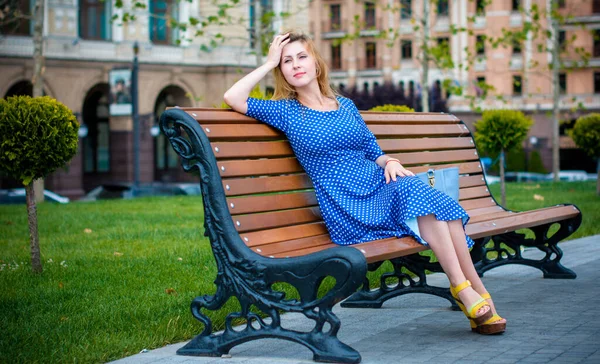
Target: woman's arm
x,y
392,168
237,96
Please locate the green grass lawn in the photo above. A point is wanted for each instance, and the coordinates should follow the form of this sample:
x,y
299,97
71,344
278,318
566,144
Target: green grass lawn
x,y
119,275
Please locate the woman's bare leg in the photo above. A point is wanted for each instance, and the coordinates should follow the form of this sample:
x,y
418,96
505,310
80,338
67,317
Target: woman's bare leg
x,y
464,257
437,234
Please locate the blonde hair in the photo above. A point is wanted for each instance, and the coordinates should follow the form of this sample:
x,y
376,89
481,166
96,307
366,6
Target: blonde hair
x,y
283,90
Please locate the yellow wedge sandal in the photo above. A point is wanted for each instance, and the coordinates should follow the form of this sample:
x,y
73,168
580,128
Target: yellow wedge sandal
x,y
471,313
491,326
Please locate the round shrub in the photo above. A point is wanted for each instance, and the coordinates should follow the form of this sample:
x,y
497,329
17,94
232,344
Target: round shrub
x,y
586,134
536,164
392,108
37,136
501,130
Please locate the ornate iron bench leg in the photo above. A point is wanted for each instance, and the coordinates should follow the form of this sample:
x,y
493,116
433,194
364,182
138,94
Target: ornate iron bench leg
x,y
322,340
399,282
506,249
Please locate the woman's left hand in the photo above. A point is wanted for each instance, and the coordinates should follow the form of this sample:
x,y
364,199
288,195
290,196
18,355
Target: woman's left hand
x,y
394,169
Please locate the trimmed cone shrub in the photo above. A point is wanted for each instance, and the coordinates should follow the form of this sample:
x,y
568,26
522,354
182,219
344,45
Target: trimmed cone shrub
x,y
499,131
586,134
37,136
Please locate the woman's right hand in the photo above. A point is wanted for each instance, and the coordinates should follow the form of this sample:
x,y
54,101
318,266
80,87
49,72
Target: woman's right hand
x,y
275,49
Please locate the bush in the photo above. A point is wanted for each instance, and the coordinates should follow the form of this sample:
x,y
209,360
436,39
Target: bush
x,y
37,136
392,108
255,93
586,134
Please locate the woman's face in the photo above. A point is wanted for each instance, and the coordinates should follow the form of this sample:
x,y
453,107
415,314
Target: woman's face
x,y
297,65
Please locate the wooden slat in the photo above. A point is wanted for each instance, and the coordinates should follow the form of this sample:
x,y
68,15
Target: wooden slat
x,y
378,117
473,192
241,132
463,168
471,181
490,217
520,220
419,130
374,251
255,204
274,219
478,203
485,210
412,144
283,247
418,158
252,149
246,186
258,167
283,234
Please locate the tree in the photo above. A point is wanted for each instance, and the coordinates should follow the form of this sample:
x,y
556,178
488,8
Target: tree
x,y
37,136
499,131
586,134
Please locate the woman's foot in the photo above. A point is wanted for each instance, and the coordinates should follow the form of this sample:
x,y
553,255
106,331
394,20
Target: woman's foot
x,y
488,298
471,303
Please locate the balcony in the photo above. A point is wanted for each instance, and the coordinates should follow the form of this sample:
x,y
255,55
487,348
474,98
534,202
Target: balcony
x,y
333,31
516,62
515,20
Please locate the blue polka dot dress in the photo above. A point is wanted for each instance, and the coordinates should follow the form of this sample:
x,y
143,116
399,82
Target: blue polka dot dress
x,y
338,152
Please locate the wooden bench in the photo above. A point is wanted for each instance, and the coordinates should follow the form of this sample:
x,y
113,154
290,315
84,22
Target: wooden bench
x,y
264,226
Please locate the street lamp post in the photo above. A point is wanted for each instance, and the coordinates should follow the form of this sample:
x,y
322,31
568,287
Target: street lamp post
x,y
136,119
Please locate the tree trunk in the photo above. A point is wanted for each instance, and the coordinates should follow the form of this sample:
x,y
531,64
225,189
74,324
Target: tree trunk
x,y
38,72
598,175
36,263
502,184
258,39
425,57
555,96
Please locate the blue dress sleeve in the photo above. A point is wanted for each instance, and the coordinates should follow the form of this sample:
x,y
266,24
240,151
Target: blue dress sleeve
x,y
370,146
270,112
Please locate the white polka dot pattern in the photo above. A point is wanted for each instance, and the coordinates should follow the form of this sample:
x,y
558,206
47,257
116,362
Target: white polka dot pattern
x,y
338,152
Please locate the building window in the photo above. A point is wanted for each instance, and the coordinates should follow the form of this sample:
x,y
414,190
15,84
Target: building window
x,y
406,47
94,19
371,52
562,4
562,40
480,90
516,48
597,82
370,15
336,57
15,24
516,4
562,83
480,44
596,43
266,6
517,86
444,44
335,17
442,8
596,6
405,9
480,7
160,12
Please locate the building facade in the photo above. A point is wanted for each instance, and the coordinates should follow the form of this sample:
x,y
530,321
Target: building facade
x,y
84,41
370,43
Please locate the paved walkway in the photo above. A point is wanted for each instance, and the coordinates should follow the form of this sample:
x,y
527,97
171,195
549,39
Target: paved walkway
x,y
549,321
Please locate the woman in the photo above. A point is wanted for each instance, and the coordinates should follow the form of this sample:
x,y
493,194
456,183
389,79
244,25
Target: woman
x,y
357,186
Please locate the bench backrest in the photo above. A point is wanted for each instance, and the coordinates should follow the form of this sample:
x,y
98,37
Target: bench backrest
x,y
270,198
